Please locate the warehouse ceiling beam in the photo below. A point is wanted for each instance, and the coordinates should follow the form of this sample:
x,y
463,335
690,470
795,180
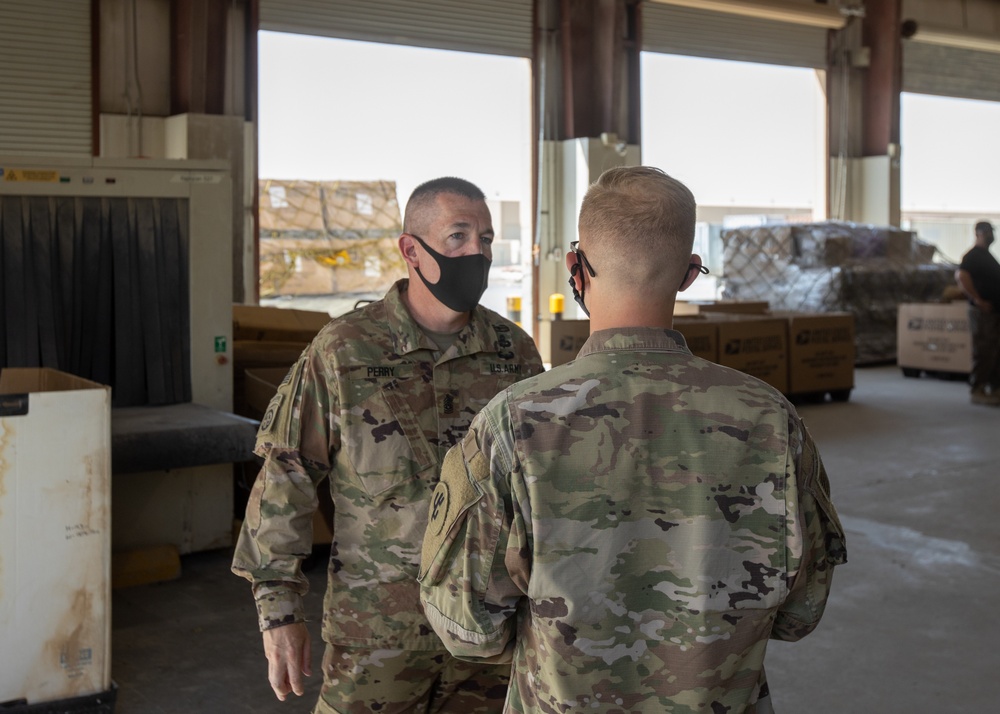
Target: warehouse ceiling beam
x,y
883,77
798,13
599,54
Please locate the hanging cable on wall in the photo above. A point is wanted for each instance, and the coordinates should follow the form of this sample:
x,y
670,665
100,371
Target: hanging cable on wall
x,y
133,88
135,77
127,90
841,66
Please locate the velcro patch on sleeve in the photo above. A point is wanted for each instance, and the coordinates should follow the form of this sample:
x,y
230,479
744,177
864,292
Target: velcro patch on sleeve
x,y
451,499
278,425
479,465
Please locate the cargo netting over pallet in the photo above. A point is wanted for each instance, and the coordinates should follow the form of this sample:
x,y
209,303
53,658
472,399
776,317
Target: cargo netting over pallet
x,y
328,237
836,267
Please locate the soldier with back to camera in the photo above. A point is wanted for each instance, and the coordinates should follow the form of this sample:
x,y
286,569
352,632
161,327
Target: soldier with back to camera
x,y
629,529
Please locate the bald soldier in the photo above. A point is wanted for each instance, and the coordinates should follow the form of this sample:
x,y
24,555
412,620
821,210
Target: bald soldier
x,y
372,406
632,527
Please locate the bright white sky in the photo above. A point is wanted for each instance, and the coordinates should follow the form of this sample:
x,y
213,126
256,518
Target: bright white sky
x,y
950,154
341,110
736,133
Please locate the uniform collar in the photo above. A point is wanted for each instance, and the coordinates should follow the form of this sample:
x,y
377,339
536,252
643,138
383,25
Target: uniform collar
x,y
478,335
634,338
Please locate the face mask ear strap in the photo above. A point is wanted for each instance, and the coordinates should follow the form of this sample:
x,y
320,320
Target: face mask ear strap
x,y
693,266
577,294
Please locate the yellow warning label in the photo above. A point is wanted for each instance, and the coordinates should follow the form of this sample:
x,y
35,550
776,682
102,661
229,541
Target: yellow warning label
x,y
38,175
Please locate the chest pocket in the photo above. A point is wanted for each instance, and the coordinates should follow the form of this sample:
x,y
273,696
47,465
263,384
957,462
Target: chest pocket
x,y
384,442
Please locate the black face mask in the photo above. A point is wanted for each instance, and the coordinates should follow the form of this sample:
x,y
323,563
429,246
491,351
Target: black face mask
x,y
463,278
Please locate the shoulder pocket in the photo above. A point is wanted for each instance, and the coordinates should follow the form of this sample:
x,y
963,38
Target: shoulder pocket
x,y
279,427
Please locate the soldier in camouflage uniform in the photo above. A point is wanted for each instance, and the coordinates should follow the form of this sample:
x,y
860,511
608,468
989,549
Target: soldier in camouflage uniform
x,y
630,528
373,405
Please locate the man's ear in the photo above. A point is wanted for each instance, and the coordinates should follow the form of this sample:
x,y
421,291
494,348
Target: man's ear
x,y
692,272
408,249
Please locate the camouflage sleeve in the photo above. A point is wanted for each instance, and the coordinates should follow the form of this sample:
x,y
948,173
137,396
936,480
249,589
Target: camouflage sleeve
x,y
469,595
530,356
296,441
821,536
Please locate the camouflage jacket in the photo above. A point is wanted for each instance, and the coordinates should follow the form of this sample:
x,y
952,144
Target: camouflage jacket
x,y
374,407
631,528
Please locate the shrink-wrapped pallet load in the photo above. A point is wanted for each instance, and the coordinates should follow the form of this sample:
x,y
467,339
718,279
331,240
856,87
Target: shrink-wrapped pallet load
x,y
834,266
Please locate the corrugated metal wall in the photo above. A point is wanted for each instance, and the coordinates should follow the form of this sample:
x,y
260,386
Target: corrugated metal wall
x,y
502,27
45,87
946,70
702,33
950,71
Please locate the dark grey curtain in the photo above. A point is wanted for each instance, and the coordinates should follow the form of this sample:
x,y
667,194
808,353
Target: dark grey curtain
x,y
98,287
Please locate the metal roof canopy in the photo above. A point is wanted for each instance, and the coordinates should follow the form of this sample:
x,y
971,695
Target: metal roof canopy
x,y
501,27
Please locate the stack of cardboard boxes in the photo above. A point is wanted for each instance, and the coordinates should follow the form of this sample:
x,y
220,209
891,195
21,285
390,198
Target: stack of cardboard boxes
x,y
267,341
799,354
934,338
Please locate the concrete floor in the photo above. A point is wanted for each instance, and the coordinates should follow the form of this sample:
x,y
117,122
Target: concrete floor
x,y
910,627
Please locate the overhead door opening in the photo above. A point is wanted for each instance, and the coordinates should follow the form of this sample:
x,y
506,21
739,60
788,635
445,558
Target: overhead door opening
x,y
749,139
948,176
357,126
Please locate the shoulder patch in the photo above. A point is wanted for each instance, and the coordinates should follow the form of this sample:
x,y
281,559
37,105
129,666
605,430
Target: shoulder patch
x,y
276,424
451,499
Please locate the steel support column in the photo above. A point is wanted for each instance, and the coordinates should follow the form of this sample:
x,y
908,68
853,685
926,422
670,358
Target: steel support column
x,y
585,76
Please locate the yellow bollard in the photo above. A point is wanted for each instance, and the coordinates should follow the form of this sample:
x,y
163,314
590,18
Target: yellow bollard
x,y
514,309
556,304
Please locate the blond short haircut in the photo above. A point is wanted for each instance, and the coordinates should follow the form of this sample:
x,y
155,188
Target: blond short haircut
x,y
637,224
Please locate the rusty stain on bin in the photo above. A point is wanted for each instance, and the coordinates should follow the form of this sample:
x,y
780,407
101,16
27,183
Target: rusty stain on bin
x,y
72,647
96,476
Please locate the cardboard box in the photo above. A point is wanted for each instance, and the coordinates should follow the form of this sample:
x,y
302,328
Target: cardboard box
x,y
739,307
755,345
259,355
701,335
934,337
559,341
259,386
899,246
820,352
55,535
837,250
252,322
